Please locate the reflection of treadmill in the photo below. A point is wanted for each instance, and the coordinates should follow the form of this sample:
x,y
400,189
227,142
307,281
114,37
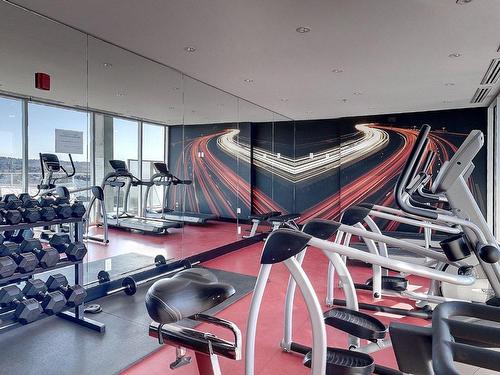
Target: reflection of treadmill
x,y
164,178
122,178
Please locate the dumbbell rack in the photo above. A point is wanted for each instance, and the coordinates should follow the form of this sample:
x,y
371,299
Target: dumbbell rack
x,y
75,316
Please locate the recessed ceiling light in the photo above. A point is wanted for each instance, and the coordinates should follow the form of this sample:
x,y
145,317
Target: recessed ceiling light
x,y
303,29
463,2
171,107
189,49
107,65
337,70
12,116
248,80
455,54
357,93
449,84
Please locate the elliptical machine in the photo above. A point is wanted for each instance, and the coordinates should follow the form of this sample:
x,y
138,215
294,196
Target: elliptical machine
x,y
52,171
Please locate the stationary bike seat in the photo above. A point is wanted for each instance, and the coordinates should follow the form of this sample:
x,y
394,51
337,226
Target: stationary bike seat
x,y
185,294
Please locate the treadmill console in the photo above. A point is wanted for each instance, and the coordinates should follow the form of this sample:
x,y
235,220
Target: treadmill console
x,y
119,167
162,168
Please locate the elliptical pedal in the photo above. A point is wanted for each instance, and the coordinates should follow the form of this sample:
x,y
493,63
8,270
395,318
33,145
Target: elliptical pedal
x,y
345,362
355,323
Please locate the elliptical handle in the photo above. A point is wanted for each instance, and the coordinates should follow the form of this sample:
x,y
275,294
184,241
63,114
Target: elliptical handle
x,y
403,181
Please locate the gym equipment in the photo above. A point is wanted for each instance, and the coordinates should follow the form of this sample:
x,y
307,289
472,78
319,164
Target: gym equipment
x,y
74,294
9,216
50,165
122,178
27,310
104,276
60,205
47,257
29,214
26,262
75,251
164,178
7,267
52,302
288,247
188,294
47,213
17,236
259,219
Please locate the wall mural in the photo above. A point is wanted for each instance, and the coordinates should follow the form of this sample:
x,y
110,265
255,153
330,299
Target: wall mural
x,y
317,168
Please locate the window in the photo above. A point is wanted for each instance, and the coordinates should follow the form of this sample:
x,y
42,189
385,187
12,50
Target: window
x,y
11,152
125,147
153,149
43,120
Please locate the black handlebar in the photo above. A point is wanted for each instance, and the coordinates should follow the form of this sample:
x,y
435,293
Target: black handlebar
x,y
406,175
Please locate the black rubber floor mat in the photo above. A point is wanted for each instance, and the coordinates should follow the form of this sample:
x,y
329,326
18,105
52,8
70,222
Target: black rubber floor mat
x,y
56,347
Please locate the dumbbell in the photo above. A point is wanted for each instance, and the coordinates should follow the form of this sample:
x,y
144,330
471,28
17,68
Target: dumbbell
x,y
47,257
75,251
17,236
27,310
8,216
25,262
51,302
7,267
78,209
60,205
29,215
47,213
75,294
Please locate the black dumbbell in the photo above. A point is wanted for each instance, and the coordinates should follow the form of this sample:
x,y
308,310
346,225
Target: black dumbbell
x,y
29,215
25,262
7,267
75,294
18,236
8,216
75,251
47,213
52,302
27,310
47,257
78,209
60,205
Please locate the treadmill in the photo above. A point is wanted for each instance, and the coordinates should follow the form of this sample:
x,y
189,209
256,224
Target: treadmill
x,y
122,178
163,177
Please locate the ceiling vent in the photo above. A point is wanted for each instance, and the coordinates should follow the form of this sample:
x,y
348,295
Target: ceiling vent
x,y
492,74
480,95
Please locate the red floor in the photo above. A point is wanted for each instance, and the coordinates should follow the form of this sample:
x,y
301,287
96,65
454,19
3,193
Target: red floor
x,y
269,357
180,243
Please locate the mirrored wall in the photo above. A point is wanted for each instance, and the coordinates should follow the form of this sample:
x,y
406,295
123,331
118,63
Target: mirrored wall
x,y
198,160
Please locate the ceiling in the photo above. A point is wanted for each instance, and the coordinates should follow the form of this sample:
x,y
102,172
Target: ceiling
x,y
393,54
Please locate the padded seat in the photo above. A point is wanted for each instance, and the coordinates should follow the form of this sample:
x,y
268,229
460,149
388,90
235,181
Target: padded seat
x,y
185,294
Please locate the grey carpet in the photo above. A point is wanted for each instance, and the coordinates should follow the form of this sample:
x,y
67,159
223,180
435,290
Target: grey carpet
x,y
54,346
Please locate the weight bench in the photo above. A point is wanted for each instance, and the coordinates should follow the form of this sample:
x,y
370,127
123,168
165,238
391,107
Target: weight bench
x,y
258,219
188,294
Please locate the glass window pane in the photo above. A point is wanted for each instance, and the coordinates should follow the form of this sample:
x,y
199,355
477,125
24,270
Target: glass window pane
x,y
11,150
125,147
153,149
43,120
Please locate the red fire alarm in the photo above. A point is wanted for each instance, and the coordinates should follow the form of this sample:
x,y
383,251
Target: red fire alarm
x,y
42,81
